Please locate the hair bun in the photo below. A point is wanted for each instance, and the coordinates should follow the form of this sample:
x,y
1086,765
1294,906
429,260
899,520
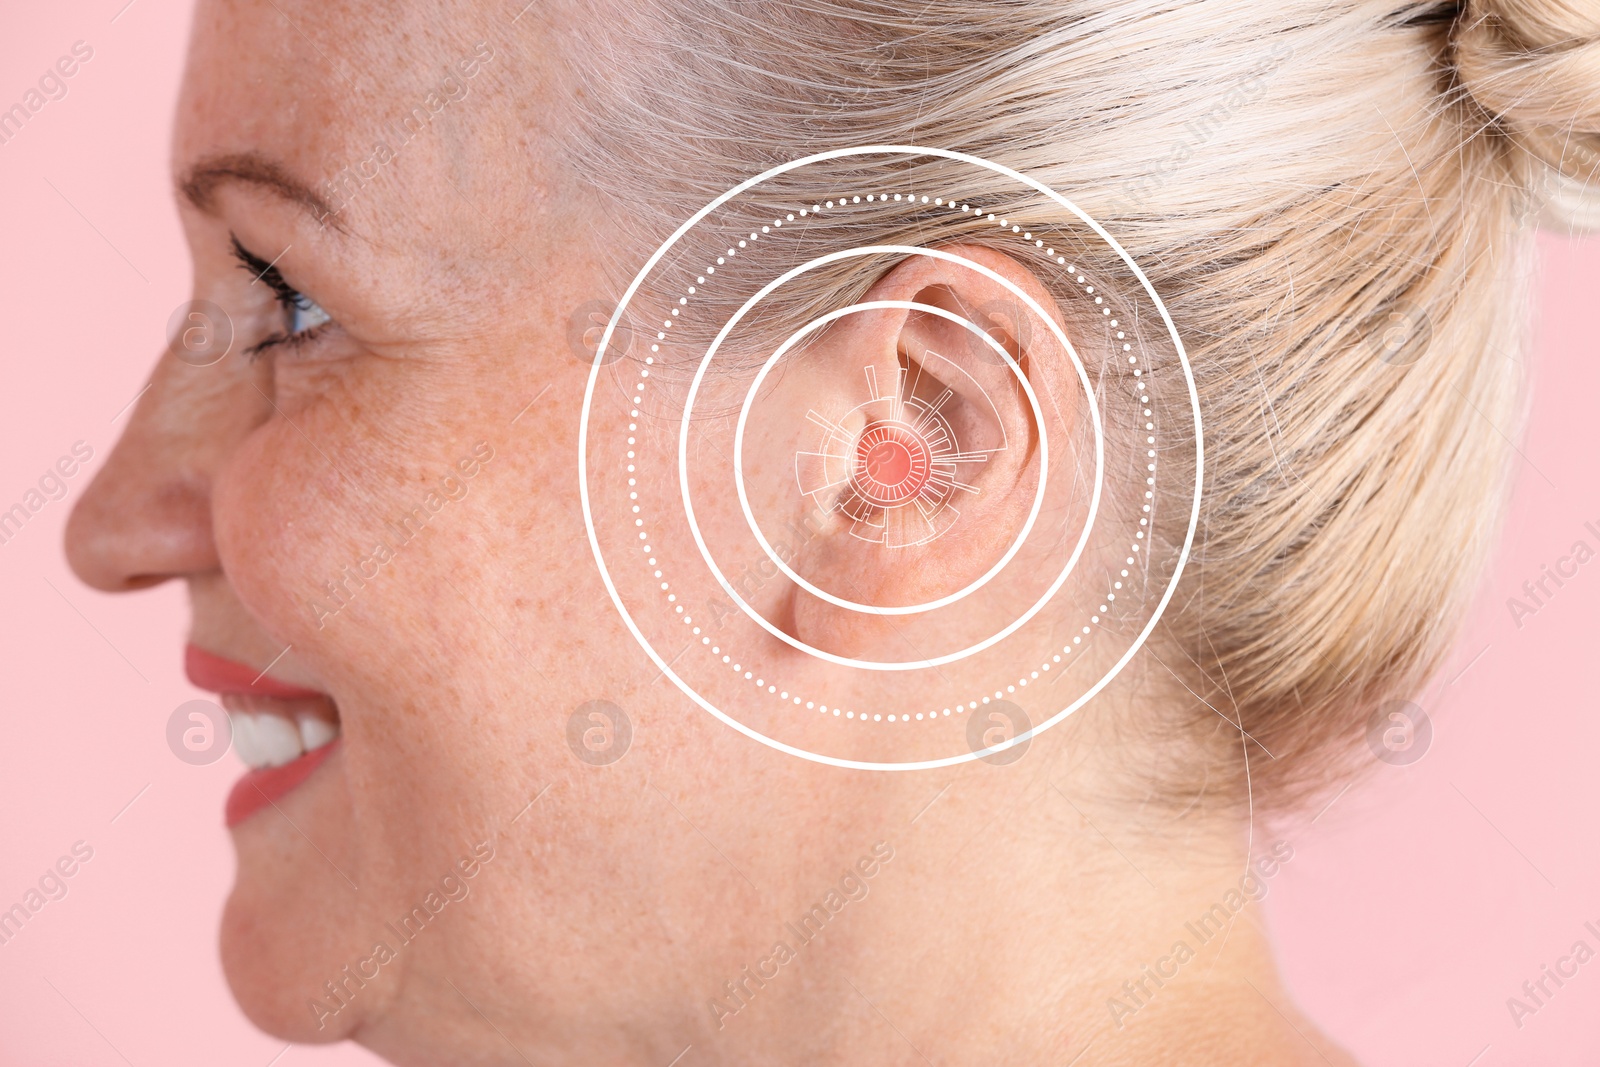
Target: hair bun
x,y
1535,66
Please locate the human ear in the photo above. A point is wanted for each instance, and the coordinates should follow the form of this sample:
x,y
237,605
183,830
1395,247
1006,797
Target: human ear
x,y
914,427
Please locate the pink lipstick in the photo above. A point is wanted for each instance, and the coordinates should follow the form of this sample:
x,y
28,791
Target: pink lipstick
x,y
283,732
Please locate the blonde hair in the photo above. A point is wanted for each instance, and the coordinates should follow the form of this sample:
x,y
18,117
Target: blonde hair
x,y
1331,199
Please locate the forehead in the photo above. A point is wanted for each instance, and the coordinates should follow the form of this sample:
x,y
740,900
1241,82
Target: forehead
x,y
377,106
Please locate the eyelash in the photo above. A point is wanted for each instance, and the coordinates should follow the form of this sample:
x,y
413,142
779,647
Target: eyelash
x,y
286,295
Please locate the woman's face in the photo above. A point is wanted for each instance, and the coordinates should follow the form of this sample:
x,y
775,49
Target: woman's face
x,y
437,396
372,499
434,414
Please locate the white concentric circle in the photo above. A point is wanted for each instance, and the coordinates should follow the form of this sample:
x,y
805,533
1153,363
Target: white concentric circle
x,y
744,502
666,667
755,527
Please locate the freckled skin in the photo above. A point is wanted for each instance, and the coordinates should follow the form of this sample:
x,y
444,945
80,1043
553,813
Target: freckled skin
x,y
617,905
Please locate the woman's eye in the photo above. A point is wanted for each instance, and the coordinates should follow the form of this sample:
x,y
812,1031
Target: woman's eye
x,y
305,314
303,317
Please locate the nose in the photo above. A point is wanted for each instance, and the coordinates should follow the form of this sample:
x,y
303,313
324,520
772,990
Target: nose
x,y
146,517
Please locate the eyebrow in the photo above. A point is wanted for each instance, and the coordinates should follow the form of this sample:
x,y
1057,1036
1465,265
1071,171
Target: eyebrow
x,y
200,181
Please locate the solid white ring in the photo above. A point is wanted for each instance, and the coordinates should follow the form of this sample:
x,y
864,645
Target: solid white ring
x,y
889,665
666,668
772,554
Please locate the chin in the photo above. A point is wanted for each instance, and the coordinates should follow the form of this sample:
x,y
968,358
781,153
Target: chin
x,y
274,976
292,922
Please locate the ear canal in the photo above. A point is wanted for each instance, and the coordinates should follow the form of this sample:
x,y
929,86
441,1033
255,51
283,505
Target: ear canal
x,y
903,475
924,436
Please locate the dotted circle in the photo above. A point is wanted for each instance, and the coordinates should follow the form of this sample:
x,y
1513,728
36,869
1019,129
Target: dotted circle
x,y
1135,547
757,678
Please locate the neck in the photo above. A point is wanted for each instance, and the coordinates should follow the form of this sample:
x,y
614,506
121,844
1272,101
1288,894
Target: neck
x,y
980,914
1018,915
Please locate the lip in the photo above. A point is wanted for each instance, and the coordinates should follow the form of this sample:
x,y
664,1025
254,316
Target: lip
x,y
263,787
260,788
208,670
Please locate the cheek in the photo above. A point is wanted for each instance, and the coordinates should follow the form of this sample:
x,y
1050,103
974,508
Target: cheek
x,y
279,517
301,540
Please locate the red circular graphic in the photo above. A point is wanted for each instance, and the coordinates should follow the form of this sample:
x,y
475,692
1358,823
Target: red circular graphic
x,y
893,463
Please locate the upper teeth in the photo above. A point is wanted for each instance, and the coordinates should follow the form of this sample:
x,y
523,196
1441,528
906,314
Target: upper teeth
x,y
266,740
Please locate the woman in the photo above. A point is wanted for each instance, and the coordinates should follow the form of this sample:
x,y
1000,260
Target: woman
x,y
489,817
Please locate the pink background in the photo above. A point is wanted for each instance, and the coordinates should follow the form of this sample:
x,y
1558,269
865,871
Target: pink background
x,y
1413,908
